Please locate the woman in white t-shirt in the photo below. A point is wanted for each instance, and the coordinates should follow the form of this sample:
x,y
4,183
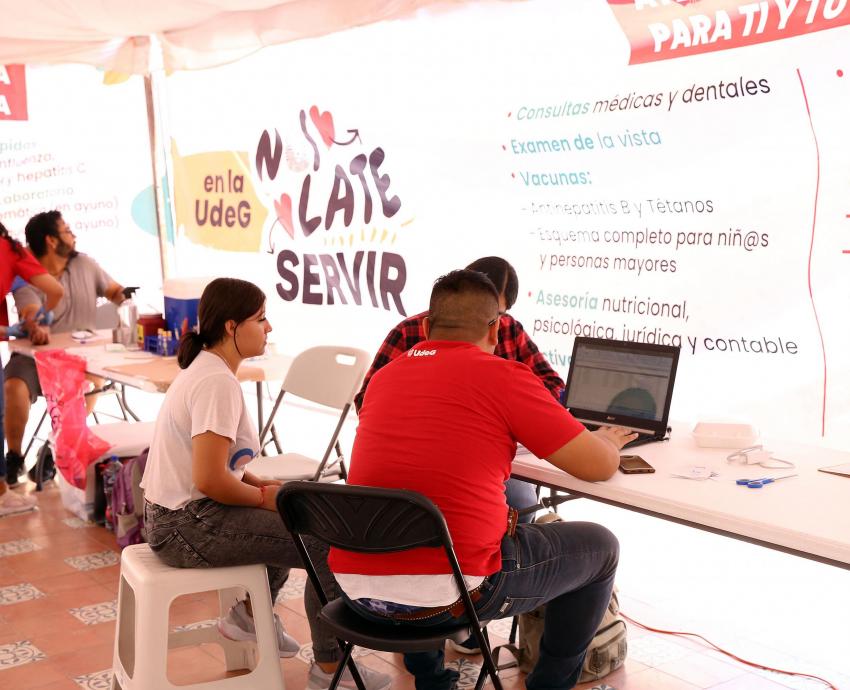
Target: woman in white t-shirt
x,y
202,508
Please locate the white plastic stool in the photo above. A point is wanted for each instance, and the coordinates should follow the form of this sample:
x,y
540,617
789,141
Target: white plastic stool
x,y
142,638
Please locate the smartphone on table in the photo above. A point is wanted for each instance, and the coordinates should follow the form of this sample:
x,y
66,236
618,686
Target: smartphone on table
x,y
634,464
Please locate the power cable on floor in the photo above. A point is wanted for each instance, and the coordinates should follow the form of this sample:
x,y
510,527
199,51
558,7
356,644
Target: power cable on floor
x,y
729,654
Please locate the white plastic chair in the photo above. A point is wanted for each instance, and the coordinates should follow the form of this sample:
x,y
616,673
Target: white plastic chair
x,y
142,638
329,375
126,440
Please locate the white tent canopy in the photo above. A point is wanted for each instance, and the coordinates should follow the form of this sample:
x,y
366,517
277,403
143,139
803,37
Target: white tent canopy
x,y
194,34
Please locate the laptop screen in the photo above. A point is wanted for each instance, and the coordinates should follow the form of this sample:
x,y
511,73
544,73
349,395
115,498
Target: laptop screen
x,y
615,382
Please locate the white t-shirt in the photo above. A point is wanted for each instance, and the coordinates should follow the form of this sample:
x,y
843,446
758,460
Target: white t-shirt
x,y
413,590
204,397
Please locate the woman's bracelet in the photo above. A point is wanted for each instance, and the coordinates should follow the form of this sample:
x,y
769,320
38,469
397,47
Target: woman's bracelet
x,y
262,496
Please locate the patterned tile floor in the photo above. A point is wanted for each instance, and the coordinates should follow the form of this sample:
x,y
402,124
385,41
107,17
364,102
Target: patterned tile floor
x,y
58,587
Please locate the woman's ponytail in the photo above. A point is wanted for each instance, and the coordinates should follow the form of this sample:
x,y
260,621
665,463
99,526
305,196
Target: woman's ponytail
x,y
191,345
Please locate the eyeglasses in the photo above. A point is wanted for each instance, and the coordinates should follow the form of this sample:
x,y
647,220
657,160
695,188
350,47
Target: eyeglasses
x,y
498,316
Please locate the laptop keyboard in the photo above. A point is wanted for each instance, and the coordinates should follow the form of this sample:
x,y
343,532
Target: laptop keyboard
x,y
642,439
639,441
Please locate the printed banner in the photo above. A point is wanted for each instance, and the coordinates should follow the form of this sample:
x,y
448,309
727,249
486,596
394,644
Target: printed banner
x,y
335,217
13,93
664,29
334,242
82,149
704,208
215,202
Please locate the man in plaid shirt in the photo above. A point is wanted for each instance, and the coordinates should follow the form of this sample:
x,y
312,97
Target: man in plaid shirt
x,y
514,342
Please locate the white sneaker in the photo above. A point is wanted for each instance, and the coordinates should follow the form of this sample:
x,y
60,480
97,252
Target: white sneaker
x,y
12,502
373,680
468,646
239,626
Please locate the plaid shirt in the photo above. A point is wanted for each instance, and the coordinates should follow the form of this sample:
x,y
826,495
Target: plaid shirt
x,y
514,343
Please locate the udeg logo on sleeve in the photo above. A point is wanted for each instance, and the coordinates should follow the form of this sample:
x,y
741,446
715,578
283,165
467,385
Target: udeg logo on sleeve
x,y
344,203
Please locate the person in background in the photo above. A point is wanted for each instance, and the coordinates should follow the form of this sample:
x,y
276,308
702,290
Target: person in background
x,y
16,261
514,344
202,507
455,383
83,280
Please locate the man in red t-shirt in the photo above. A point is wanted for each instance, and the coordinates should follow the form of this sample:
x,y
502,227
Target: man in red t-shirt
x,y
444,420
513,344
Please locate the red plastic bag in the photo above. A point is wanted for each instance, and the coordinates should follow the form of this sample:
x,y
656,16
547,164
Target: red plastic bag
x,y
63,382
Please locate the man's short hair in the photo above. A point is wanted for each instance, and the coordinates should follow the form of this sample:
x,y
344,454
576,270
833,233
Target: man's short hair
x,y
463,305
39,228
501,273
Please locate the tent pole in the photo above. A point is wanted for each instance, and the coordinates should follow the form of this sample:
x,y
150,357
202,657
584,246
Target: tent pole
x,y
153,135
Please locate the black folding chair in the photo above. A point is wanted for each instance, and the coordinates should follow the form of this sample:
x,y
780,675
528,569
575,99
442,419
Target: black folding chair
x,y
370,520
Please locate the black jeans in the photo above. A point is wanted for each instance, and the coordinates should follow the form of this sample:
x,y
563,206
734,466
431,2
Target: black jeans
x,y
571,566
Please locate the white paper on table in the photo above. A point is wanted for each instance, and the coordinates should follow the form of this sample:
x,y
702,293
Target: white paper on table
x,y
696,472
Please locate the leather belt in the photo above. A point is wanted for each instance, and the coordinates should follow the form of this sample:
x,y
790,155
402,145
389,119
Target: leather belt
x,y
456,608
513,520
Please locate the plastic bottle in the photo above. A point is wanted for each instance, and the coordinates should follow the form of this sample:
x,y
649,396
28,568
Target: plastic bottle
x,y
128,317
110,472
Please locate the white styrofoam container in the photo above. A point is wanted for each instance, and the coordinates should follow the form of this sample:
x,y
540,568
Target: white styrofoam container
x,y
184,288
724,435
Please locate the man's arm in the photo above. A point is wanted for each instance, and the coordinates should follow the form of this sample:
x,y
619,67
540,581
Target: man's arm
x,y
105,286
592,456
27,303
114,293
541,424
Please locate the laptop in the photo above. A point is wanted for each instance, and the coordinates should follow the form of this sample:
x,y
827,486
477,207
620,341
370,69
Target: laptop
x,y
621,383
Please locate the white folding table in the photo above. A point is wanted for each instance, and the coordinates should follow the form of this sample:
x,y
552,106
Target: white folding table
x,y
807,515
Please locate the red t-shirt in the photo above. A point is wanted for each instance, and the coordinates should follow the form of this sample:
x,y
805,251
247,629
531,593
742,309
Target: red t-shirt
x,y
444,421
13,264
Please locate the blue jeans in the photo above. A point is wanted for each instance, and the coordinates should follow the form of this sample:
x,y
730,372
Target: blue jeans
x,y
519,495
571,566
